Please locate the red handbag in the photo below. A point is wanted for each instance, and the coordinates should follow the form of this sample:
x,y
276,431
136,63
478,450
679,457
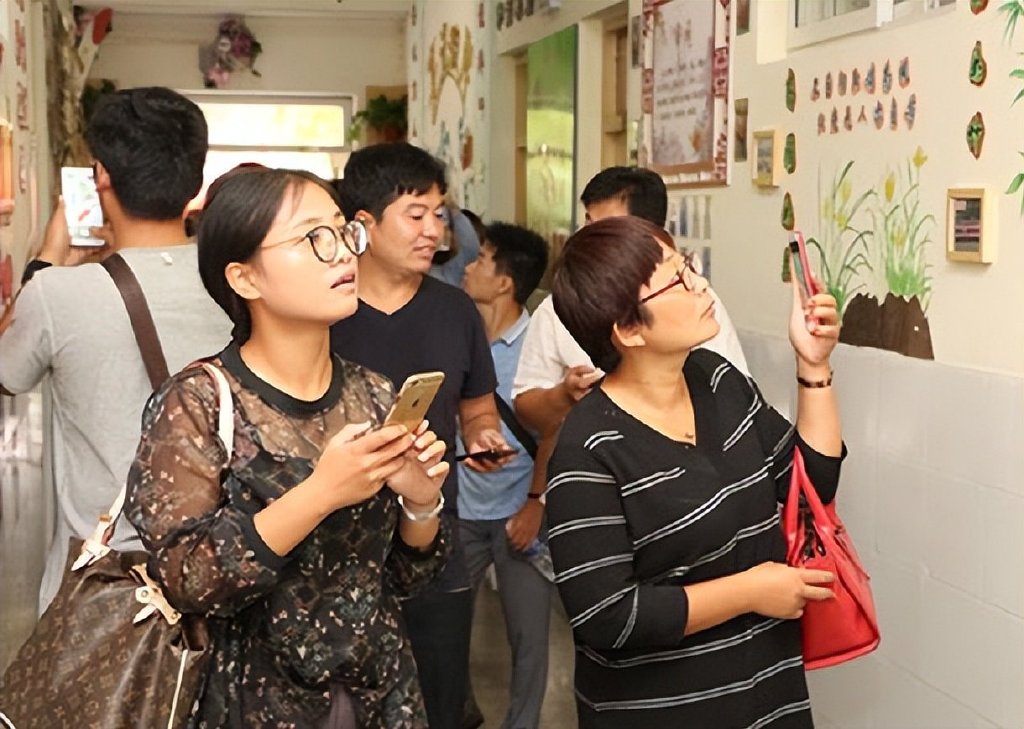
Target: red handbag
x,y
845,627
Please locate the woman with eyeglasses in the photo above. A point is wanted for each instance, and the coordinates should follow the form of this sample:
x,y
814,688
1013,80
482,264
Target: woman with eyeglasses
x,y
663,496
299,541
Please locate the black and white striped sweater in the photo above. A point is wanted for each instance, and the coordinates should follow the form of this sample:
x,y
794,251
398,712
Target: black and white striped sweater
x,y
635,516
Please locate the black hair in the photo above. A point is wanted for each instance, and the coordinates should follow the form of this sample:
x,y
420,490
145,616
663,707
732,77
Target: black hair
x,y
378,175
598,279
152,142
478,225
643,191
520,254
235,220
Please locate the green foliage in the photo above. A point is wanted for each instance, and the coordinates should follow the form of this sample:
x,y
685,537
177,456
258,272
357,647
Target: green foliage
x,y
842,248
1018,73
1014,10
904,233
1015,185
381,113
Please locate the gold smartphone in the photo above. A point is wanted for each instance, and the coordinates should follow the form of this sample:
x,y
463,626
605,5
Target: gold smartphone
x,y
414,399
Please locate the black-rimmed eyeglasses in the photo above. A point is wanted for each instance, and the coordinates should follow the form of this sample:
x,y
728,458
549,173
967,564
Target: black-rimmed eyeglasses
x,y
329,242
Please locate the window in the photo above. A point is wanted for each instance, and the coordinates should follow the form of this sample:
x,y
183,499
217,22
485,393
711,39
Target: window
x,y
296,131
814,21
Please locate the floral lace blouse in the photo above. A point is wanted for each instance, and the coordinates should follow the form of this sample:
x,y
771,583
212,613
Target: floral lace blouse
x,y
284,630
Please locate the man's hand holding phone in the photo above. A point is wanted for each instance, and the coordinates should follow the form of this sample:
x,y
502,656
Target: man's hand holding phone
x,y
493,443
57,248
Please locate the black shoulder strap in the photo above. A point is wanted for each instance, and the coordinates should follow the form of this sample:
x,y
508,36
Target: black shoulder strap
x,y
142,321
510,419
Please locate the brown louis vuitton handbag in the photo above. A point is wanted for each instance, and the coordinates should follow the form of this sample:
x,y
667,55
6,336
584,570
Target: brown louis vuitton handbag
x,y
110,652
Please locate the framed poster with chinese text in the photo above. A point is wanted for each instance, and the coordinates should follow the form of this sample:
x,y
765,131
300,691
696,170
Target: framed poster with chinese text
x,y
687,123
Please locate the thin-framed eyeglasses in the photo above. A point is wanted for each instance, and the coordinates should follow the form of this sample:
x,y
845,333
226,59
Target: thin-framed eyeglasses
x,y
686,276
329,242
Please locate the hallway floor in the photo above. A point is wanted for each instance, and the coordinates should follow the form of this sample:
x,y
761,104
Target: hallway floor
x,y
490,665
26,520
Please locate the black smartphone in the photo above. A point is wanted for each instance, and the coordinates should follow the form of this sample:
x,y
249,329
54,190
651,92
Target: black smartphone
x,y
492,454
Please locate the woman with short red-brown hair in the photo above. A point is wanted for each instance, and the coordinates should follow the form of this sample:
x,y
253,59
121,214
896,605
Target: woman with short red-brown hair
x,y
663,496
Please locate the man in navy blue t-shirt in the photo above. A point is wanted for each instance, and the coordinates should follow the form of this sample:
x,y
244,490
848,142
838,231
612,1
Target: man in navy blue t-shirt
x,y
406,323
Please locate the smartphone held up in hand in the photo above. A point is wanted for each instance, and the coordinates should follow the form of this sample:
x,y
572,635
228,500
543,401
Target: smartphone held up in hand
x,y
802,271
81,204
414,399
801,265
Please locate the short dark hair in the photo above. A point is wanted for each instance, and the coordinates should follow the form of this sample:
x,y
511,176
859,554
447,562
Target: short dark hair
x,y
235,221
478,225
378,175
598,279
152,142
642,190
520,254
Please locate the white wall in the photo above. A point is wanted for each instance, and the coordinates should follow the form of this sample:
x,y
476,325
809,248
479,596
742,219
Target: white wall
x,y
299,54
932,496
459,133
932,491
969,314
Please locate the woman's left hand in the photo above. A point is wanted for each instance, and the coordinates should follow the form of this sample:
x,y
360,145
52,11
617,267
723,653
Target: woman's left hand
x,y
419,480
813,326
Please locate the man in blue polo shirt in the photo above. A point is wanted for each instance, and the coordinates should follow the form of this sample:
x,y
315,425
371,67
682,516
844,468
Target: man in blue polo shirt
x,y
506,271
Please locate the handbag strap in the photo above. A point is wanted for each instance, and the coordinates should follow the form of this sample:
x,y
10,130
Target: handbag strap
x,y
508,416
140,317
95,545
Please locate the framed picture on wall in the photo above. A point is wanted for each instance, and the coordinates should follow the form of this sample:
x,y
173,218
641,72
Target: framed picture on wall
x,y
968,238
683,123
767,158
686,104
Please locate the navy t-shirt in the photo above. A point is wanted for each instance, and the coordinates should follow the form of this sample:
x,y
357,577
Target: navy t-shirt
x,y
438,329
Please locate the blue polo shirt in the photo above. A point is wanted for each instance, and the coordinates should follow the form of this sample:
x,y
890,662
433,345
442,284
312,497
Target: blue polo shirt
x,y
499,495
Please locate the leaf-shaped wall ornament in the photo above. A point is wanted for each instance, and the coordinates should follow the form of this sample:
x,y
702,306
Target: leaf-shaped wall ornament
x,y
976,134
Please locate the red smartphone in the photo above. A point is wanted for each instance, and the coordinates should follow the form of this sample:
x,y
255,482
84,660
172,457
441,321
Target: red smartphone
x,y
802,271
801,264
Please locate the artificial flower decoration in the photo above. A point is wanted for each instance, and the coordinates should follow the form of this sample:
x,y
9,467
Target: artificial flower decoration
x,y
235,49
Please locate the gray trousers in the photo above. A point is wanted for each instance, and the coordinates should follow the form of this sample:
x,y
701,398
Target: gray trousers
x,y
526,602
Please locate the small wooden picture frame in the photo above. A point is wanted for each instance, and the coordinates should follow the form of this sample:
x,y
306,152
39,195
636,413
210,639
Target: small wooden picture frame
x,y
767,158
968,219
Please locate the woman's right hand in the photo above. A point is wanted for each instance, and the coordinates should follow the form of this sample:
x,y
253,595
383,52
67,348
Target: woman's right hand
x,y
355,464
779,591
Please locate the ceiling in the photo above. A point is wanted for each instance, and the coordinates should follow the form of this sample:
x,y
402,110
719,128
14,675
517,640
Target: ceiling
x,y
267,8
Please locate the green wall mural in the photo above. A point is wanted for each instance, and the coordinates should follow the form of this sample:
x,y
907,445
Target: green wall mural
x,y
1014,10
872,246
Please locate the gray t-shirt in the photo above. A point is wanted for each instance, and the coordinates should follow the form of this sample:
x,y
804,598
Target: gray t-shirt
x,y
71,323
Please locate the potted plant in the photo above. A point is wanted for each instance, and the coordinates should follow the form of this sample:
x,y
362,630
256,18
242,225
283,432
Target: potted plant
x,y
387,117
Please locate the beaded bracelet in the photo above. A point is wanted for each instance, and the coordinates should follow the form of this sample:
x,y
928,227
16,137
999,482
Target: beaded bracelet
x,y
815,384
422,515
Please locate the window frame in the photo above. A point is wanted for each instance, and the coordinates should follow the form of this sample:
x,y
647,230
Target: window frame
x,y
877,14
347,101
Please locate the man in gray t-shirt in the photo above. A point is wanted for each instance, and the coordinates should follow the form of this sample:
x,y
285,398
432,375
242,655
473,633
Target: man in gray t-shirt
x,y
70,322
